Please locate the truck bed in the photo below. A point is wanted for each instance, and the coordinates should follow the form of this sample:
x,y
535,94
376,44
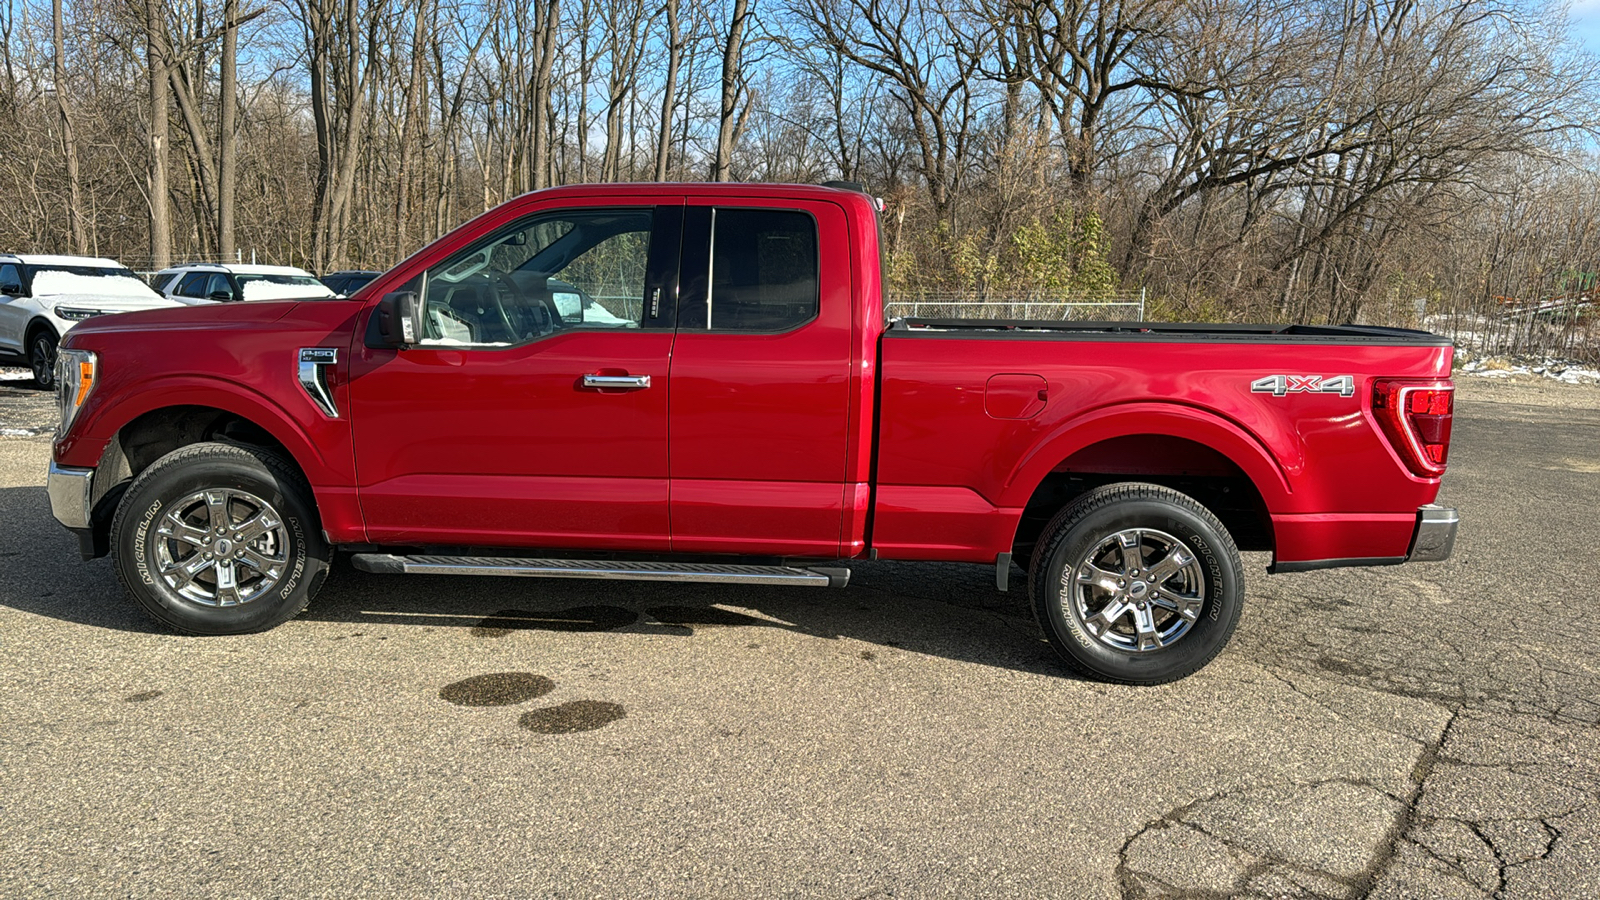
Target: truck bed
x,y
984,424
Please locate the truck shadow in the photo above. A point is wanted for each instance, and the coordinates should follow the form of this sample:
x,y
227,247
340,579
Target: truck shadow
x,y
940,609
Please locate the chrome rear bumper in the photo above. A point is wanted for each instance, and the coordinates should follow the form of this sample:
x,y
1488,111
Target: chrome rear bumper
x,y
1436,534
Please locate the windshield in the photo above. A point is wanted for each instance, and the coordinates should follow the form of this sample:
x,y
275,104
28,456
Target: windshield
x,y
103,281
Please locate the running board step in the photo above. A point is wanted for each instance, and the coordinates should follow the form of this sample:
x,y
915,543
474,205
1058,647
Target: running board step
x,y
710,573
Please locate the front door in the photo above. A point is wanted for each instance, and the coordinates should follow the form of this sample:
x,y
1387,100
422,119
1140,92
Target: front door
x,y
534,412
14,310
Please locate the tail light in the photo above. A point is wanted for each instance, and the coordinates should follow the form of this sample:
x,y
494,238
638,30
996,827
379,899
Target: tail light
x,y
1416,418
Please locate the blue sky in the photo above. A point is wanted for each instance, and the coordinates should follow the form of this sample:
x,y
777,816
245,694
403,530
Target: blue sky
x,y
1586,23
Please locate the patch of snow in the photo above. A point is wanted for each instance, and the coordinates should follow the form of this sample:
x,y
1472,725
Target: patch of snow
x,y
268,290
1566,371
22,432
48,283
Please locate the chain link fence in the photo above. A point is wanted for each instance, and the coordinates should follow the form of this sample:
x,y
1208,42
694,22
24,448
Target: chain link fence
x,y
1565,329
1030,306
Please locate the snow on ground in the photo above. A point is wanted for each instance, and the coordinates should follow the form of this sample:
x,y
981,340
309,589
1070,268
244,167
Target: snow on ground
x,y
1561,370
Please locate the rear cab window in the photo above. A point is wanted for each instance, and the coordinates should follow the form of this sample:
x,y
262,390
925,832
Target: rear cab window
x,y
763,267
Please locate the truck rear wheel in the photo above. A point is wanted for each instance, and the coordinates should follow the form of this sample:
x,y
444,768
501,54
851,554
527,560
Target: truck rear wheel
x,y
1137,584
219,539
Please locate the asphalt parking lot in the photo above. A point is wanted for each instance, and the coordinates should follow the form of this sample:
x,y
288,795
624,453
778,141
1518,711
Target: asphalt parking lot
x,y
1421,731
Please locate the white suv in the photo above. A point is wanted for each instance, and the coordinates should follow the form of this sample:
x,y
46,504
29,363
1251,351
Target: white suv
x,y
43,296
198,283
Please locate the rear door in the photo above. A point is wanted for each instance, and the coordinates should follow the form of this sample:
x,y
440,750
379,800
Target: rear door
x,y
535,411
760,375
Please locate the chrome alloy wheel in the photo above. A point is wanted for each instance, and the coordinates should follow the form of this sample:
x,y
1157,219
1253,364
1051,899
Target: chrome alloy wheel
x,y
221,547
1138,590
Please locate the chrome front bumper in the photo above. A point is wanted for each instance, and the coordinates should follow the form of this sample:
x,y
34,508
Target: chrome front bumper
x,y
1436,534
69,489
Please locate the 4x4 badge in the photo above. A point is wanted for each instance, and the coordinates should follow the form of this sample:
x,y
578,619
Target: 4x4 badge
x,y
1279,385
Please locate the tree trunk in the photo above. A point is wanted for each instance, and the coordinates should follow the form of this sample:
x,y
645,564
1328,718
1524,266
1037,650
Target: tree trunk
x,y
408,133
227,139
160,203
545,28
69,140
722,168
669,92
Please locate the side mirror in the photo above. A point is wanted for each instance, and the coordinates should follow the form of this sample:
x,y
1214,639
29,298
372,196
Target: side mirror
x,y
222,296
399,317
11,290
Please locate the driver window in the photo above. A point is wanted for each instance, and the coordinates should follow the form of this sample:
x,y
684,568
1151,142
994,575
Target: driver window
x,y
575,269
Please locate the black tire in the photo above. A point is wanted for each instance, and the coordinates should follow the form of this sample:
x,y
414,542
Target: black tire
x,y
42,358
252,488
1079,576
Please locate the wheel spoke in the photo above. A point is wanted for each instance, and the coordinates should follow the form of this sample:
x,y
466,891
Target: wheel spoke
x,y
1090,574
1108,615
182,574
1144,622
1171,564
227,587
217,509
177,529
256,526
1184,605
272,568
1132,553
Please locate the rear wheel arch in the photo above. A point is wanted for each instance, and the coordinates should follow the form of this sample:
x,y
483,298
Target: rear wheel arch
x,y
1236,480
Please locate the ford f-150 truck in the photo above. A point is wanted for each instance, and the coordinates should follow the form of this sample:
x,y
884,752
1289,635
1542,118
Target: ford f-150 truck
x,y
699,383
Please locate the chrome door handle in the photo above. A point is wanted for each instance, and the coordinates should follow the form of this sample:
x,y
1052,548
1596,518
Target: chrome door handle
x,y
631,382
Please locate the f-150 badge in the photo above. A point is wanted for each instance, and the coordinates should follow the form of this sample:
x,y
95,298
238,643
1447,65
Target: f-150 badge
x,y
1279,385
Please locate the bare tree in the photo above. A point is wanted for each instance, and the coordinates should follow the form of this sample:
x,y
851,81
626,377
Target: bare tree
x,y
732,83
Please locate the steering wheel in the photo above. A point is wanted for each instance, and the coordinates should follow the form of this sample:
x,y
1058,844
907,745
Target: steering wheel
x,y
502,281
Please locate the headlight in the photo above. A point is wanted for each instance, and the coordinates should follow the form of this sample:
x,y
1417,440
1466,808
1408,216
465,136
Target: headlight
x,y
75,374
78,313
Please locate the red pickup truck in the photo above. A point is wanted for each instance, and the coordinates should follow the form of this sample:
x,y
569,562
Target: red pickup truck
x,y
699,383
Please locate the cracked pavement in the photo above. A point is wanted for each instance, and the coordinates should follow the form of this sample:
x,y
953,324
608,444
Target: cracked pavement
x,y
1416,731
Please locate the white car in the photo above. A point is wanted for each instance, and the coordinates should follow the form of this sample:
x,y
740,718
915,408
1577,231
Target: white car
x,y
199,283
43,296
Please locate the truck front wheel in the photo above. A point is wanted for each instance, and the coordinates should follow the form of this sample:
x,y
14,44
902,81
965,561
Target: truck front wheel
x,y
219,539
1137,584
